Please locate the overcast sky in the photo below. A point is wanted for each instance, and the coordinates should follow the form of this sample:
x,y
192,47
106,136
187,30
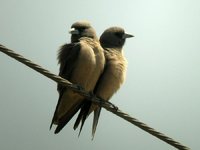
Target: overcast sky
x,y
162,87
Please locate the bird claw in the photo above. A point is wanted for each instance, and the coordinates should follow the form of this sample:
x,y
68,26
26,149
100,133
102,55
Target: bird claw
x,y
79,87
93,97
101,101
112,105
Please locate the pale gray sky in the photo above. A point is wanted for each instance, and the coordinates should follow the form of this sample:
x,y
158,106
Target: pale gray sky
x,y
161,89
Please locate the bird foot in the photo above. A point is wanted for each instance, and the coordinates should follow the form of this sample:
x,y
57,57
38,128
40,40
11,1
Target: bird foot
x,y
111,105
101,101
104,102
79,87
93,97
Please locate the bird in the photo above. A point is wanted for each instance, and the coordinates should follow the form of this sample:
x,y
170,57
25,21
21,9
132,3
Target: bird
x,y
112,40
81,62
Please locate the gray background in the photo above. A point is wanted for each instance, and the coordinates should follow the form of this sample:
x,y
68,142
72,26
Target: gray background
x,y
161,89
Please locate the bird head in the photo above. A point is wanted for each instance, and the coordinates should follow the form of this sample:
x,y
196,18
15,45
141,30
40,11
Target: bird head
x,y
82,29
114,37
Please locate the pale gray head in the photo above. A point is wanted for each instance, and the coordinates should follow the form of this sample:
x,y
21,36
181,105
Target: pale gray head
x,y
82,29
114,37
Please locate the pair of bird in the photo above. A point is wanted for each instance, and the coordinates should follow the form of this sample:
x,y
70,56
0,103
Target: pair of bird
x,y
96,65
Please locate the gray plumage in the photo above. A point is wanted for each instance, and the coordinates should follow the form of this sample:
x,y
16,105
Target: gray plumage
x,y
112,41
81,62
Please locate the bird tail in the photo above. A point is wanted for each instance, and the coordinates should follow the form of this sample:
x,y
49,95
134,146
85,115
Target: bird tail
x,y
67,117
83,114
97,112
61,121
54,119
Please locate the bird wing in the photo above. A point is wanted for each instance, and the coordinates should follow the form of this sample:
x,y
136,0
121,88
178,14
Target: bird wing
x,y
82,64
108,83
67,58
88,107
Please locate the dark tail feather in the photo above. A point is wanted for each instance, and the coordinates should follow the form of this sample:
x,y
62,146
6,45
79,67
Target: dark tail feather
x,y
67,117
78,120
54,116
85,115
95,121
82,115
51,124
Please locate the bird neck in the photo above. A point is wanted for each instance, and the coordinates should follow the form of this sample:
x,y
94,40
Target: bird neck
x,y
114,49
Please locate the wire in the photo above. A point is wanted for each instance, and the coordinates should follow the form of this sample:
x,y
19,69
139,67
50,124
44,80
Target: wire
x,y
107,105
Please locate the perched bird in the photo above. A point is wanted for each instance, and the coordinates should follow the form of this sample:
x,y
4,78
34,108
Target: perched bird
x,y
112,41
81,62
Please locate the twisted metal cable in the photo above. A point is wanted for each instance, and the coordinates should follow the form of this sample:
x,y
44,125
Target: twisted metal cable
x,y
107,105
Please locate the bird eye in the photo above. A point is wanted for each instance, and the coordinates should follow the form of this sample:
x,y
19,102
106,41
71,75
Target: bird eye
x,y
81,29
119,34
